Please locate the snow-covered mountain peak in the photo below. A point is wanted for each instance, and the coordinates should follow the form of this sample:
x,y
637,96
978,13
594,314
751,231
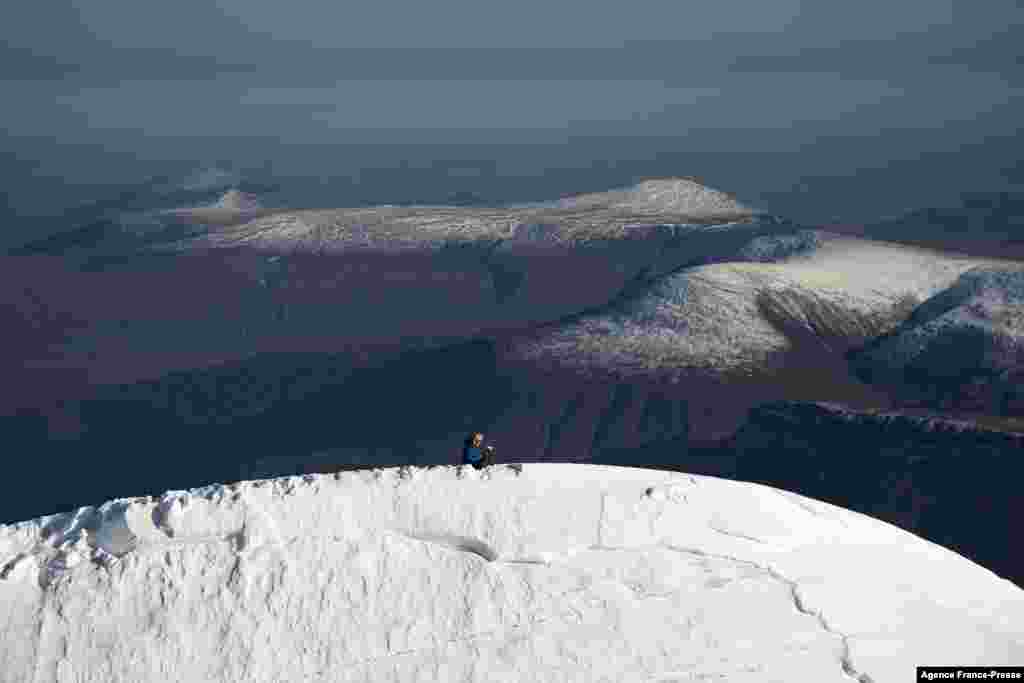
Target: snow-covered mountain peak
x,y
971,333
729,317
637,211
525,572
662,195
238,200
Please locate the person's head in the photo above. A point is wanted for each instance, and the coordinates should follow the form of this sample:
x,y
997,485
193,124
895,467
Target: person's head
x,y
478,438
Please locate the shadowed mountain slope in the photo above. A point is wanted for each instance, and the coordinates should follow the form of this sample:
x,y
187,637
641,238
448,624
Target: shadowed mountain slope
x,y
949,481
353,281
773,322
637,326
680,357
962,350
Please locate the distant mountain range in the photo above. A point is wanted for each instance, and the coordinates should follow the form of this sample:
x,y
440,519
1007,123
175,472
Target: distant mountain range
x,y
987,224
222,338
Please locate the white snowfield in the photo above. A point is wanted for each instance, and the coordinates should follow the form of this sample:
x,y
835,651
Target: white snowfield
x,y
986,302
544,572
679,195
570,220
715,317
353,281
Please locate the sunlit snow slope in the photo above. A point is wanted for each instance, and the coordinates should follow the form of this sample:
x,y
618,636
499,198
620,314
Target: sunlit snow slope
x,y
540,572
774,320
124,303
732,315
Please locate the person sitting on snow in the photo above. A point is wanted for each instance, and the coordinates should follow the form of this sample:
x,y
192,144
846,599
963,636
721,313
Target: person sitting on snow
x,y
475,453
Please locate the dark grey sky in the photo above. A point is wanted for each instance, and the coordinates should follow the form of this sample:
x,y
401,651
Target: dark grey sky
x,y
814,109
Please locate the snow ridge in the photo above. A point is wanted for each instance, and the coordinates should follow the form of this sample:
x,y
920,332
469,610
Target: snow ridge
x,y
655,195
448,573
729,317
237,200
665,195
975,328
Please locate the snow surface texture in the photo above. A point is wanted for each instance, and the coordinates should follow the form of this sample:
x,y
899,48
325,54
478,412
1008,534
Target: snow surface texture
x,y
539,572
572,219
985,303
674,195
726,317
237,281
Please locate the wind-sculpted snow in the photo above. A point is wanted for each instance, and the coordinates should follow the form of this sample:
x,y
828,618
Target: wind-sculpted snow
x,y
672,195
614,214
534,572
731,317
721,337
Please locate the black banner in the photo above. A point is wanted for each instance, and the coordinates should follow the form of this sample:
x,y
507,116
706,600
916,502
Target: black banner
x,y
970,673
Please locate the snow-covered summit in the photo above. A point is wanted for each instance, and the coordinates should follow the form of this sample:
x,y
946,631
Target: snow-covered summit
x,y
238,200
570,219
546,572
729,316
231,208
966,343
660,195
242,280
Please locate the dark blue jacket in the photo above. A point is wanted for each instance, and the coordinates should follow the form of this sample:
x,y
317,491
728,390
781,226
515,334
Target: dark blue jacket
x,y
472,455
